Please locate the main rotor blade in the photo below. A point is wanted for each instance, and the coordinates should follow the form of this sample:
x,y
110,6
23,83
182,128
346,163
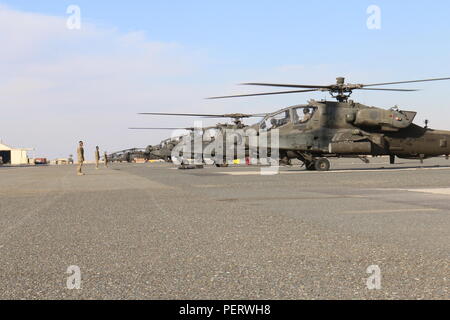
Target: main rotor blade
x,y
231,115
400,82
262,94
285,85
379,89
158,128
187,129
183,114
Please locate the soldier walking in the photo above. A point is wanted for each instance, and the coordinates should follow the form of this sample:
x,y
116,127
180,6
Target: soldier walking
x,y
97,157
80,153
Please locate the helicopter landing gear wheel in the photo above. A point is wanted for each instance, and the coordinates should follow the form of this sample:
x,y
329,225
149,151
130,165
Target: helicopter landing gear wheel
x,y
224,165
322,164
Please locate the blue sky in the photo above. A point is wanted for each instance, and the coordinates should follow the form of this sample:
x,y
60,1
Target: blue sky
x,y
266,33
203,48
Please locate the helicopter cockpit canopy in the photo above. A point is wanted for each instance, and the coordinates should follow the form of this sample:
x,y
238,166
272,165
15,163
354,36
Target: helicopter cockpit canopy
x,y
302,115
276,120
210,134
294,115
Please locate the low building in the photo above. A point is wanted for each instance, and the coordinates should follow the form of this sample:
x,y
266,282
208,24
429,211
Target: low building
x,y
14,156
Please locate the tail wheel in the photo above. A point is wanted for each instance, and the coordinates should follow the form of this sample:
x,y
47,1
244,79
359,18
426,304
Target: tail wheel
x,y
322,164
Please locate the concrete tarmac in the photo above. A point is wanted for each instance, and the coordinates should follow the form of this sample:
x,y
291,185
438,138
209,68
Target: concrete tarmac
x,y
150,231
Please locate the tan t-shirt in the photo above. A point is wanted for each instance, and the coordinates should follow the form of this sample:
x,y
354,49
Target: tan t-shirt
x,y
80,153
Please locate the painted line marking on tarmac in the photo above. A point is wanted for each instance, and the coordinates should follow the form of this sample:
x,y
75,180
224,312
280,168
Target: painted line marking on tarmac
x,y
242,173
440,191
393,210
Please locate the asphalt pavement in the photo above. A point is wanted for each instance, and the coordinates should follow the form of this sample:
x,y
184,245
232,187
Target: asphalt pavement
x,y
151,231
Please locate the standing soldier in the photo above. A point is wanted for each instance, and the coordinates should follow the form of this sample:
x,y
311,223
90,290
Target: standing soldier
x,y
106,159
80,152
97,157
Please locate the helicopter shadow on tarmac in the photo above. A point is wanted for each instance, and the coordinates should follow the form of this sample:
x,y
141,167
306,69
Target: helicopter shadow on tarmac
x,y
379,169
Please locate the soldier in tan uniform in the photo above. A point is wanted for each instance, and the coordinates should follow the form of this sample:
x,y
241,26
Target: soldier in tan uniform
x,y
106,159
80,153
307,115
97,157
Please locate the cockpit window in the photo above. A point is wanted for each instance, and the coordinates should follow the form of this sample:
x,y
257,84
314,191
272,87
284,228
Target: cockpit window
x,y
210,134
303,115
276,121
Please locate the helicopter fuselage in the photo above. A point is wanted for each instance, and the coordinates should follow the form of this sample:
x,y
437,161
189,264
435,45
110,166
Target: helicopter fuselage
x,y
339,129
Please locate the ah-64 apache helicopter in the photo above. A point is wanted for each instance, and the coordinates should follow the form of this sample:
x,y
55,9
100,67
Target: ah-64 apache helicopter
x,y
320,130
325,129
126,155
163,150
212,137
